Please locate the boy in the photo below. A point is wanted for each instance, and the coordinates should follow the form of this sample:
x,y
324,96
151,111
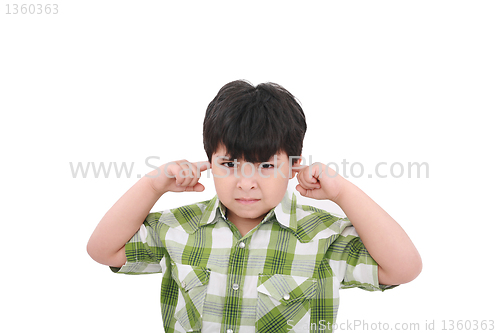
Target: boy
x,y
252,259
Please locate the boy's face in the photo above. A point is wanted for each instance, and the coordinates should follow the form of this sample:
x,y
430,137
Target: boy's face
x,y
250,190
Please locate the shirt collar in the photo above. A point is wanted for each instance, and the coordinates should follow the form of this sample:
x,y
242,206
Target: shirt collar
x,y
284,212
212,212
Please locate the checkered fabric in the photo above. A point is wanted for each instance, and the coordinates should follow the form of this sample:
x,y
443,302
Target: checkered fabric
x,y
282,276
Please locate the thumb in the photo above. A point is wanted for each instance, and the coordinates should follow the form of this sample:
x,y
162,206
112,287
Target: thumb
x,y
198,187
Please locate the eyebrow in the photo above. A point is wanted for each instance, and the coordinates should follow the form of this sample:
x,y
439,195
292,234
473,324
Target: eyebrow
x,y
223,157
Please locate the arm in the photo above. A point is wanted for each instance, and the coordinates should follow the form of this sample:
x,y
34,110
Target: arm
x,y
123,220
398,260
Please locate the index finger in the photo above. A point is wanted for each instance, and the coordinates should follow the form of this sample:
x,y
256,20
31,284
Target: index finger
x,y
202,166
300,167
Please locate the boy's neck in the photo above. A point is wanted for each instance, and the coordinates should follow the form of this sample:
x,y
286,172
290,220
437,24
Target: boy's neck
x,y
244,225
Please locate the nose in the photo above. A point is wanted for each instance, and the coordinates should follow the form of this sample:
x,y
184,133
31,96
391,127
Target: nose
x,y
247,178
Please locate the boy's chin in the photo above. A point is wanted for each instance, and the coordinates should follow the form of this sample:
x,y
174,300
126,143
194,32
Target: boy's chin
x,y
249,215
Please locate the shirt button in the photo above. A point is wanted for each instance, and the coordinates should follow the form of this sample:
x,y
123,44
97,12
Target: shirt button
x,y
242,245
286,297
229,331
183,284
235,286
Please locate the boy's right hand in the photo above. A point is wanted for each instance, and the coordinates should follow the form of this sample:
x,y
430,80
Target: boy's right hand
x,y
121,222
178,176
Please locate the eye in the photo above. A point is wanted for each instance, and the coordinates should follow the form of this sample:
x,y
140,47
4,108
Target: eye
x,y
266,166
229,164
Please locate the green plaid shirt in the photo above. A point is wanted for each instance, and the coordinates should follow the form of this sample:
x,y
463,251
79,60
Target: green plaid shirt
x,y
282,276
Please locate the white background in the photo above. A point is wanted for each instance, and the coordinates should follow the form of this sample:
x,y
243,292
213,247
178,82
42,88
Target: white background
x,y
118,81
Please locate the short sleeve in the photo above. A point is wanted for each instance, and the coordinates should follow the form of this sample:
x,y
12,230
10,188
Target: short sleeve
x,y
145,251
352,264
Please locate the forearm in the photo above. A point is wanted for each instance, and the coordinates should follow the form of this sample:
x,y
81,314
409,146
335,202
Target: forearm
x,y
121,222
388,244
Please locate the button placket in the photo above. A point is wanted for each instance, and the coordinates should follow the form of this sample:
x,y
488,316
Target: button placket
x,y
236,285
239,254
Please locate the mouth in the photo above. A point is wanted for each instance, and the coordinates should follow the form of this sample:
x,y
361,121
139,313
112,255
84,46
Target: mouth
x,y
247,201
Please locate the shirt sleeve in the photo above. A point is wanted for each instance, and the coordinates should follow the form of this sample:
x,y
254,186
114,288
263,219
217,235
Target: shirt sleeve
x,y
145,251
351,262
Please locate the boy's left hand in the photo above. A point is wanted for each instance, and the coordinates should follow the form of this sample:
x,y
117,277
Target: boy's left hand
x,y
317,181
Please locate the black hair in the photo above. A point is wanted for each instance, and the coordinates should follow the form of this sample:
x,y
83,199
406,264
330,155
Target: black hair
x,y
254,123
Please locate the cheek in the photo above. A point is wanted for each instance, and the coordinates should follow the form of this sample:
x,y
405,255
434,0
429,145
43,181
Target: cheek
x,y
219,183
276,189
222,186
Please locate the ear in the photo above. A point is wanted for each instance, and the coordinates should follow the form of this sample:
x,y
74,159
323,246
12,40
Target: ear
x,y
296,167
